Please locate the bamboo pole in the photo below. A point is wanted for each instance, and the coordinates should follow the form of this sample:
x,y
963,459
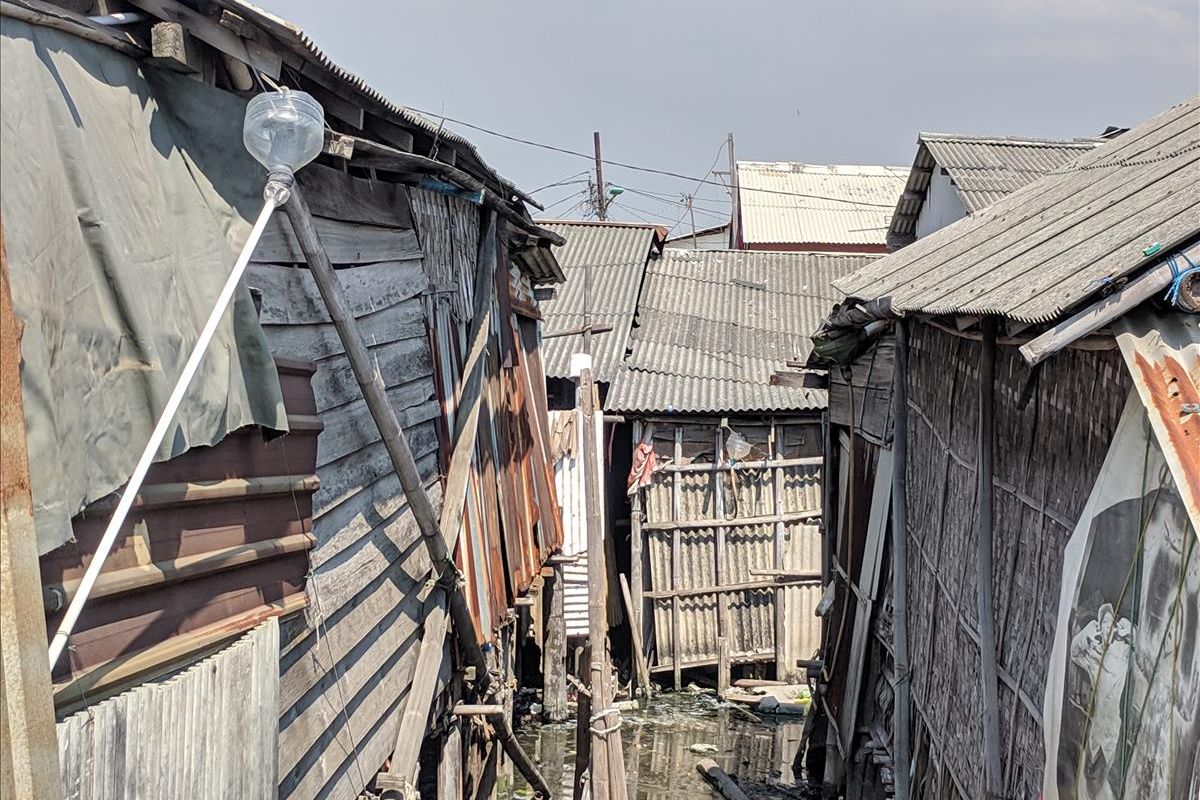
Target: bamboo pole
x,y
987,633
901,710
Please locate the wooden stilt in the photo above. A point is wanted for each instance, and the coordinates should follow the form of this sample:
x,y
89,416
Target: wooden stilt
x,y
722,664
554,653
28,745
450,778
583,735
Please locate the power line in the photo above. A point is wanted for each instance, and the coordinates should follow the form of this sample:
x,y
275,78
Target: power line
x,y
668,173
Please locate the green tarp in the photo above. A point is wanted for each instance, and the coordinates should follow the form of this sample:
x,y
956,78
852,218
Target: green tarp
x,y
121,221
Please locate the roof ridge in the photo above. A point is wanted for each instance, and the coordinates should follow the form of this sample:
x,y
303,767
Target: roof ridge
x,y
1034,141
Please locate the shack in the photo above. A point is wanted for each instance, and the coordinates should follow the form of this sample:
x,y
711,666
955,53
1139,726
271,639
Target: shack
x,y
725,489
1019,400
954,175
272,619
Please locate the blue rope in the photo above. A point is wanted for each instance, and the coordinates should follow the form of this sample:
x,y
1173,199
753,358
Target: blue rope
x,y
1178,276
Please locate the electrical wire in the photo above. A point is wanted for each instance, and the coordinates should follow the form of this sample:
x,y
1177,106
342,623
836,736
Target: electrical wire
x,y
567,181
650,170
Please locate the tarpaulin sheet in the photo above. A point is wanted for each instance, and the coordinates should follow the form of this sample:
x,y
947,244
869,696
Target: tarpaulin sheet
x,y
1122,704
118,244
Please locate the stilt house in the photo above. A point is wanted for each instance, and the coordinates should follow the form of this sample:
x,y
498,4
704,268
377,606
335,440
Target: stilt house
x,y
265,624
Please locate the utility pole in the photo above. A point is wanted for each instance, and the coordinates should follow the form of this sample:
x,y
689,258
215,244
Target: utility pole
x,y
601,206
735,205
687,198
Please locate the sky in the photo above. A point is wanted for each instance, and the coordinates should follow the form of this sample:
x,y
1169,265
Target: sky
x,y
794,80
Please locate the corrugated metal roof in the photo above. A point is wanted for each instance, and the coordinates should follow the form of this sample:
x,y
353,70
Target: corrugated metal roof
x,y
1051,244
300,43
983,169
618,253
714,326
785,202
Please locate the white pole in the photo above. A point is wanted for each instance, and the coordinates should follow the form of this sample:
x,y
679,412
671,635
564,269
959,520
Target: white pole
x,y
160,433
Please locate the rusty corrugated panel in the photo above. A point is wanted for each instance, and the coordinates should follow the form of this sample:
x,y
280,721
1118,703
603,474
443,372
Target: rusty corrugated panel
x,y
214,534
1162,352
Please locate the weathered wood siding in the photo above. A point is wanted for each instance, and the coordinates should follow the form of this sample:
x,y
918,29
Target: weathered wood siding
x,y
346,665
1054,424
209,731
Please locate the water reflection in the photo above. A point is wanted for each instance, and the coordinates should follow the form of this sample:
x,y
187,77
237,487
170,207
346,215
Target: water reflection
x,y
659,761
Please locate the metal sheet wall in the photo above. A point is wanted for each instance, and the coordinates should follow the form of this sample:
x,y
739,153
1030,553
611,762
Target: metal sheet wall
x,y
569,483
750,549
210,731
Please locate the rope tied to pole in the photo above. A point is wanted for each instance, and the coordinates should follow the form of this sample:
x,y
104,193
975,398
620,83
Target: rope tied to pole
x,y
599,715
1179,275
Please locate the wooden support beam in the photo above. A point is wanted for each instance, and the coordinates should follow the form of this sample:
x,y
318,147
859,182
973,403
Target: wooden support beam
x,y
172,48
742,522
813,461
782,668
798,579
583,736
720,780
554,653
477,710
402,774
48,15
211,32
639,652
450,765
28,743
641,433
676,555
373,154
722,664
721,556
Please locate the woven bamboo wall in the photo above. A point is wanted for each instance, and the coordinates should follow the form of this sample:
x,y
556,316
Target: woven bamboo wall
x,y
1053,427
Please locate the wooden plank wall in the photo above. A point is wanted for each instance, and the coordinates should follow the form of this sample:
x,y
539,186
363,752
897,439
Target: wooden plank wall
x,y
346,665
1054,424
209,731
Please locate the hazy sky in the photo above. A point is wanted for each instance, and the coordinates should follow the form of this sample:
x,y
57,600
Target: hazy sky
x,y
820,82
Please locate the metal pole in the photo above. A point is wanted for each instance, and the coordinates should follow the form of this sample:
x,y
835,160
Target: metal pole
x,y
392,434
601,205
692,213
900,719
984,503
736,199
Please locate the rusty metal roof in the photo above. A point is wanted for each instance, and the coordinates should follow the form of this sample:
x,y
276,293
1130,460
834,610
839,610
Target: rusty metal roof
x,y
713,327
1050,245
784,202
617,253
1162,352
983,169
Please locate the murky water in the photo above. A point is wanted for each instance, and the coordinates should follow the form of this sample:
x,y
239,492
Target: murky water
x,y
659,760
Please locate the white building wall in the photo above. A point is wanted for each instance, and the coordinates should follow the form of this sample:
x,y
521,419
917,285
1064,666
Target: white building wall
x,y
942,205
